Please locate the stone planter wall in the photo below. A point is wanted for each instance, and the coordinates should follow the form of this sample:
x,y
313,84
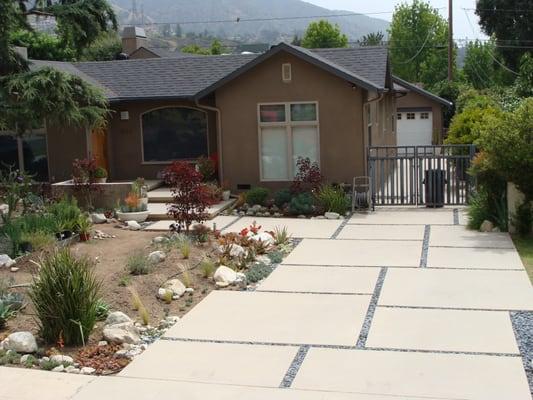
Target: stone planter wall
x,y
106,197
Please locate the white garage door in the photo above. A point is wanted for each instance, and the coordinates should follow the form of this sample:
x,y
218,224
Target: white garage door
x,y
415,128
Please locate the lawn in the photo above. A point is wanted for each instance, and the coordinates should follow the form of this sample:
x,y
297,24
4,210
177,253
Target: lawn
x,y
525,249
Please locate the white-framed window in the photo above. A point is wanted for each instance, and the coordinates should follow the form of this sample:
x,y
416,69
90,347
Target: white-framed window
x,y
424,115
399,116
287,131
410,115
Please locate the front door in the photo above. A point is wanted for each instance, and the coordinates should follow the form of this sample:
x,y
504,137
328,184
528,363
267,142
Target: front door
x,y
99,147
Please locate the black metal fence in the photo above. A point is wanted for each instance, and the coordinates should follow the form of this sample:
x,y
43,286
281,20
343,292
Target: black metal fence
x,y
420,175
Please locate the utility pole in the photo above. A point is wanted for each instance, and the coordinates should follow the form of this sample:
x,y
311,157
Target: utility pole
x,y
450,40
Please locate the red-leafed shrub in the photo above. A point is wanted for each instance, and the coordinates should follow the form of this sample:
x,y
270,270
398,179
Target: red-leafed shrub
x,y
308,178
190,197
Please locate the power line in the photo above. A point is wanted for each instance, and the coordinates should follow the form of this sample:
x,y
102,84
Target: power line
x,y
419,50
500,10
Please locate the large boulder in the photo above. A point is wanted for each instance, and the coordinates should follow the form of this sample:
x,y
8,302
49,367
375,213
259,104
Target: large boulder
x,y
117,317
156,256
176,286
264,237
21,342
98,218
125,332
6,261
486,226
234,250
224,276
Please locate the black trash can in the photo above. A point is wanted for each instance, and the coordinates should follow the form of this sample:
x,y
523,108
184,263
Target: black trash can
x,y
434,182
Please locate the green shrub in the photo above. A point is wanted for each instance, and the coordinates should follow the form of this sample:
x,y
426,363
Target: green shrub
x,y
333,199
138,263
281,235
5,313
275,256
66,213
282,197
523,219
257,272
257,196
207,267
102,310
65,294
39,240
478,209
302,204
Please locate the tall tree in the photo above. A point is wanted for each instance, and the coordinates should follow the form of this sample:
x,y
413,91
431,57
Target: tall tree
x,y
417,40
479,66
372,39
511,23
323,34
524,82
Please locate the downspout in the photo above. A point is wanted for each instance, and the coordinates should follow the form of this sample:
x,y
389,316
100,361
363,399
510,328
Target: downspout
x,y
219,136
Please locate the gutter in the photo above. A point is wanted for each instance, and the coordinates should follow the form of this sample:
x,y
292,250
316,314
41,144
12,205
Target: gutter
x,y
219,136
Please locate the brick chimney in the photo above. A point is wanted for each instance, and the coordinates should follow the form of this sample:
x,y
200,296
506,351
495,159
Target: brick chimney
x,y
133,37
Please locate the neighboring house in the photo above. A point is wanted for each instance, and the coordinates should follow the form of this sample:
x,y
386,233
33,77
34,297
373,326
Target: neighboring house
x,y
258,113
419,115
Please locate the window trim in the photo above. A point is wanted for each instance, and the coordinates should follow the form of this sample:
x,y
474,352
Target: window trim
x,y
144,162
288,125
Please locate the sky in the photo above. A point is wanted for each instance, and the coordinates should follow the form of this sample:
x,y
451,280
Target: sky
x,y
462,28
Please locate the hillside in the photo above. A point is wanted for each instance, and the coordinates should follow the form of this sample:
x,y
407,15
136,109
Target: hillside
x,y
173,11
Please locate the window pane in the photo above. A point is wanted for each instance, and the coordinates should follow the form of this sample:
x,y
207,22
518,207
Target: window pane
x,y
174,134
35,157
274,154
8,152
304,144
272,113
303,112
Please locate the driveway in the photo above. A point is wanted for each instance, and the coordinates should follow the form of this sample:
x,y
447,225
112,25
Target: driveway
x,y
396,304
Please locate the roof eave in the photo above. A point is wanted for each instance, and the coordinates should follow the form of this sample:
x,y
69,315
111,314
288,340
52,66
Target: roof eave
x,y
410,87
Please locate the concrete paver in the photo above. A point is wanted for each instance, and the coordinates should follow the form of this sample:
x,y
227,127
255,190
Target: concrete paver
x,y
370,253
448,288
321,279
459,236
405,217
298,228
382,232
442,330
275,318
238,364
411,374
484,258
220,221
26,384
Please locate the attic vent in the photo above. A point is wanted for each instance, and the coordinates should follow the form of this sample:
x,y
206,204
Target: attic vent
x,y
286,73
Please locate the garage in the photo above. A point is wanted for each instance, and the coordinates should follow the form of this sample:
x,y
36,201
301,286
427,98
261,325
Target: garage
x,y
414,126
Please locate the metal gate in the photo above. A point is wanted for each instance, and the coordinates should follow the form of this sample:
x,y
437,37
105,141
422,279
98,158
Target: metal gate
x,y
420,175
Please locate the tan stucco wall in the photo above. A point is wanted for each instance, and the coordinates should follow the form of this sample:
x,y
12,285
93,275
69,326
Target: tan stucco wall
x,y
64,145
416,100
125,140
341,122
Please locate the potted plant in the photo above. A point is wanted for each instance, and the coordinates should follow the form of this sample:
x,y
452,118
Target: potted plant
x,y
100,175
84,227
132,209
226,192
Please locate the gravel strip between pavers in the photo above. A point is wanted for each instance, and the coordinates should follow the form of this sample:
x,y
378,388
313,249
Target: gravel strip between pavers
x,y
294,367
339,229
523,330
425,247
361,341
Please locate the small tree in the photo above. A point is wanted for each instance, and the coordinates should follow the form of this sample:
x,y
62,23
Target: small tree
x,y
190,196
308,176
524,82
323,34
372,39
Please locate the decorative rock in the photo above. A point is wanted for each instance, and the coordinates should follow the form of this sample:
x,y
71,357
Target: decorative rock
x,y
332,215
71,369
222,284
117,317
87,371
250,213
189,290
224,276
97,218
4,208
24,358
159,239
102,343
234,250
264,237
176,286
486,226
43,360
59,368
156,256
133,225
14,269
122,333
21,342
61,359
301,216
172,319
263,259
6,261
496,229
162,293
240,277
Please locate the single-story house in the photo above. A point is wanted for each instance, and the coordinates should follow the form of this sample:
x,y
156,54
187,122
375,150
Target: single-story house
x,y
419,115
257,112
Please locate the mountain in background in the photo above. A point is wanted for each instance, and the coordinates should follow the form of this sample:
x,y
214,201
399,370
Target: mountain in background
x,y
173,11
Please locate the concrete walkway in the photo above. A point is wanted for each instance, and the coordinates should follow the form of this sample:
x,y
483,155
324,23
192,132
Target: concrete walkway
x,y
397,304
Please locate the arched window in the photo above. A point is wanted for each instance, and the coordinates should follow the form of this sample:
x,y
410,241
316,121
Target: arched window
x,y
174,133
